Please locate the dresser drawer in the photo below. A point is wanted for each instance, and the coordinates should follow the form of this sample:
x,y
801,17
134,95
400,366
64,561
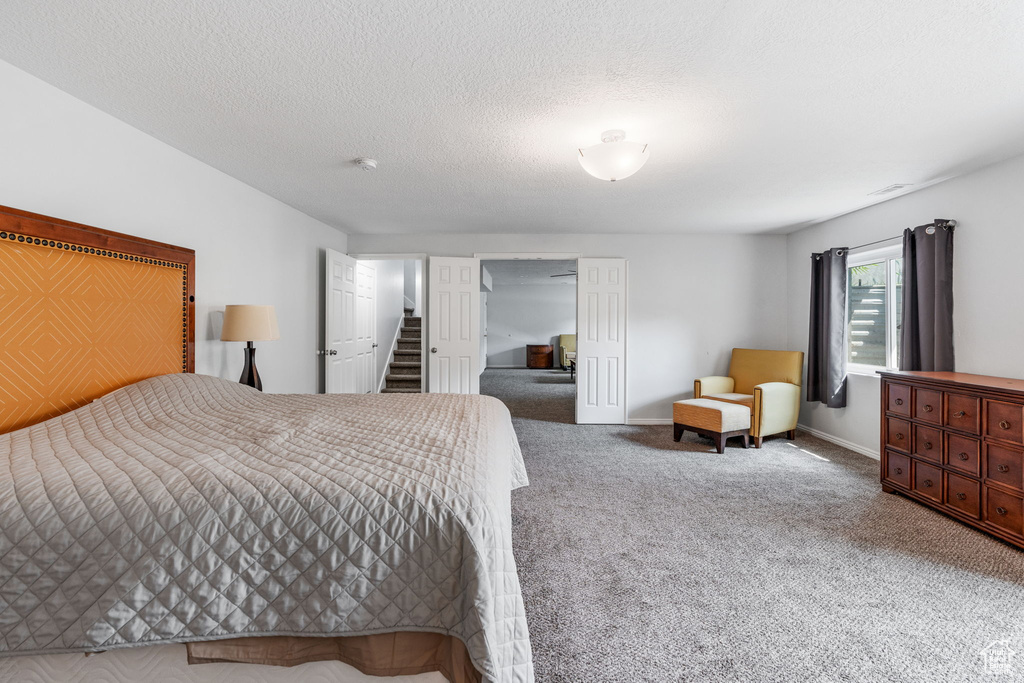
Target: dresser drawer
x,y
928,443
897,469
1004,421
963,413
1004,465
928,481
928,405
963,453
897,434
963,495
1004,510
898,399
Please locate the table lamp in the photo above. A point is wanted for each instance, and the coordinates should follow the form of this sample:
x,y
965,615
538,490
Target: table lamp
x,y
249,324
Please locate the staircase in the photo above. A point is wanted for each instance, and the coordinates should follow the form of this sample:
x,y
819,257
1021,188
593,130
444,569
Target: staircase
x,y
406,370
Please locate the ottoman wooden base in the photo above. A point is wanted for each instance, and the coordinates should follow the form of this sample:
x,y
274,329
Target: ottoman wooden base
x,y
716,420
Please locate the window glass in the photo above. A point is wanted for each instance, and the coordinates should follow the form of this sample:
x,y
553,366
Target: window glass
x,y
867,318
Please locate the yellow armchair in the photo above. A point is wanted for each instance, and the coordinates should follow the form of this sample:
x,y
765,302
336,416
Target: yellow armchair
x,y
566,343
768,382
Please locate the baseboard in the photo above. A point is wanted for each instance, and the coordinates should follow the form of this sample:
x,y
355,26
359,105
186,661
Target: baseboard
x,y
856,448
649,421
509,367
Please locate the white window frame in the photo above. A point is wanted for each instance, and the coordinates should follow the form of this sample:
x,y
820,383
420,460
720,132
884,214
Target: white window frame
x,y
890,254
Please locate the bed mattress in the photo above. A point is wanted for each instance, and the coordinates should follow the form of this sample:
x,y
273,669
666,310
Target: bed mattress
x,y
189,508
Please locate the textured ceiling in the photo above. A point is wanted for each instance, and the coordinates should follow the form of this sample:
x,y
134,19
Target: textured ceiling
x,y
761,114
531,272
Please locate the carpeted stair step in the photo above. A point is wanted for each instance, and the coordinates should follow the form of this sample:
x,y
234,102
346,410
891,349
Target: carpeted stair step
x,y
405,368
400,390
396,381
409,345
411,321
411,333
411,355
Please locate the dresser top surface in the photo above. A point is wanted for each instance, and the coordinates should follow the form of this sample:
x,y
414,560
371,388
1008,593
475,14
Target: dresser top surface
x,y
1004,384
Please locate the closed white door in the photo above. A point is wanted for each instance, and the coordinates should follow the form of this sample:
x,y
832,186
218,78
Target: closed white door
x,y
453,326
366,328
601,341
340,324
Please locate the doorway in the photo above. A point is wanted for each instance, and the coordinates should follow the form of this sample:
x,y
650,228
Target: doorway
x,y
373,324
528,335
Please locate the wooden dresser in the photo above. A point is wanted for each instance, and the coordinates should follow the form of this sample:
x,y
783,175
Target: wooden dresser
x,y
955,442
540,356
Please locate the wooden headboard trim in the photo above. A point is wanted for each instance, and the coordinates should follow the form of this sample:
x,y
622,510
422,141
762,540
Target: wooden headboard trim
x,y
22,226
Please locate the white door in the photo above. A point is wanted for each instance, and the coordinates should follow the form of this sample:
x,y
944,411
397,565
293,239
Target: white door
x,y
601,341
453,325
366,328
340,324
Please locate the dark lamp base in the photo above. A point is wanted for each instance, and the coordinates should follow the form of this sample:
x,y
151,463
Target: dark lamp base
x,y
250,376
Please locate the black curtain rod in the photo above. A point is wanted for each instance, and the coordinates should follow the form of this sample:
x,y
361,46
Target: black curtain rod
x,y
944,223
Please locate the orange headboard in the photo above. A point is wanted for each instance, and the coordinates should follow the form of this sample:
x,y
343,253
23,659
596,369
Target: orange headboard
x,y
84,311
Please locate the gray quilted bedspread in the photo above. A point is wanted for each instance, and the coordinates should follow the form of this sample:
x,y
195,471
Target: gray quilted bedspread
x,y
187,507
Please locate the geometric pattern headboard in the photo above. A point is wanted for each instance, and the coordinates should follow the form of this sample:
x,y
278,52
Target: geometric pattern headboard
x,y
84,311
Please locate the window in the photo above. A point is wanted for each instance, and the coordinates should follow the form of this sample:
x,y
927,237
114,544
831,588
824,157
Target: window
x,y
874,309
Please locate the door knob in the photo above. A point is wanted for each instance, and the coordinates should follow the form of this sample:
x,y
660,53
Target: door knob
x,y
433,349
374,345
332,352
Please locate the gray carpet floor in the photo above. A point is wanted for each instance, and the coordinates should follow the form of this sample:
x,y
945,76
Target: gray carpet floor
x,y
642,559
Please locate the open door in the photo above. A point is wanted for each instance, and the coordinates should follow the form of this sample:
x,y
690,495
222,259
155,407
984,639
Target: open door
x,y
453,325
340,324
601,341
366,328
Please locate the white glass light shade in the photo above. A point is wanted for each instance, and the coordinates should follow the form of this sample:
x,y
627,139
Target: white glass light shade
x,y
615,158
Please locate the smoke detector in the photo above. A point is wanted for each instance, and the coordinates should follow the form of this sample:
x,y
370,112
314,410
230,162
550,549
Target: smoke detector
x,y
366,163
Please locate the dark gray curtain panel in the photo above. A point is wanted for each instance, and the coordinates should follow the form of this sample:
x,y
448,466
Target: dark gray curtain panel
x,y
826,345
926,333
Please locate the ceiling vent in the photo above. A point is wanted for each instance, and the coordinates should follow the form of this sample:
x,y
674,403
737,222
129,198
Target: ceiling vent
x,y
889,190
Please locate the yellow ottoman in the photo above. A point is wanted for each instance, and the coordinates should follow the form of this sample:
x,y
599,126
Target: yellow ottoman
x,y
716,420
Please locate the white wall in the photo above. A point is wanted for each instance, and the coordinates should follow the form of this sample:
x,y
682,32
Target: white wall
x,y
414,284
987,286
390,310
691,299
518,315
64,158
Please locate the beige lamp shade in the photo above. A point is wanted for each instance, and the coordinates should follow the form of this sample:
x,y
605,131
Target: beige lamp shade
x,y
249,323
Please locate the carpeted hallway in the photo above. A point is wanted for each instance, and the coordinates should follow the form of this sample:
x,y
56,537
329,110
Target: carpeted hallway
x,y
642,559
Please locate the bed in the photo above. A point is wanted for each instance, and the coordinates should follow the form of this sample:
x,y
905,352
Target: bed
x,y
276,529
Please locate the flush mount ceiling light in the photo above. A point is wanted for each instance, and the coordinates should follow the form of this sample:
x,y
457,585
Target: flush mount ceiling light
x,y
615,158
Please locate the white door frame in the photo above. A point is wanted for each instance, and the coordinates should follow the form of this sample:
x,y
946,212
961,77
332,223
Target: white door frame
x,y
422,258
528,255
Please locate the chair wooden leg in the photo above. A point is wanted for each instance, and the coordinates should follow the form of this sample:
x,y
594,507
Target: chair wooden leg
x,y
757,441
678,431
720,442
746,440
791,434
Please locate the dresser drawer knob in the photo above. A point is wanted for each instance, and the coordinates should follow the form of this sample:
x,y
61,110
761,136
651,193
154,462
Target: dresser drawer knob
x,y
964,456
898,401
928,408
1001,510
898,470
1004,424
1003,468
959,413
961,496
927,445
928,483
899,436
